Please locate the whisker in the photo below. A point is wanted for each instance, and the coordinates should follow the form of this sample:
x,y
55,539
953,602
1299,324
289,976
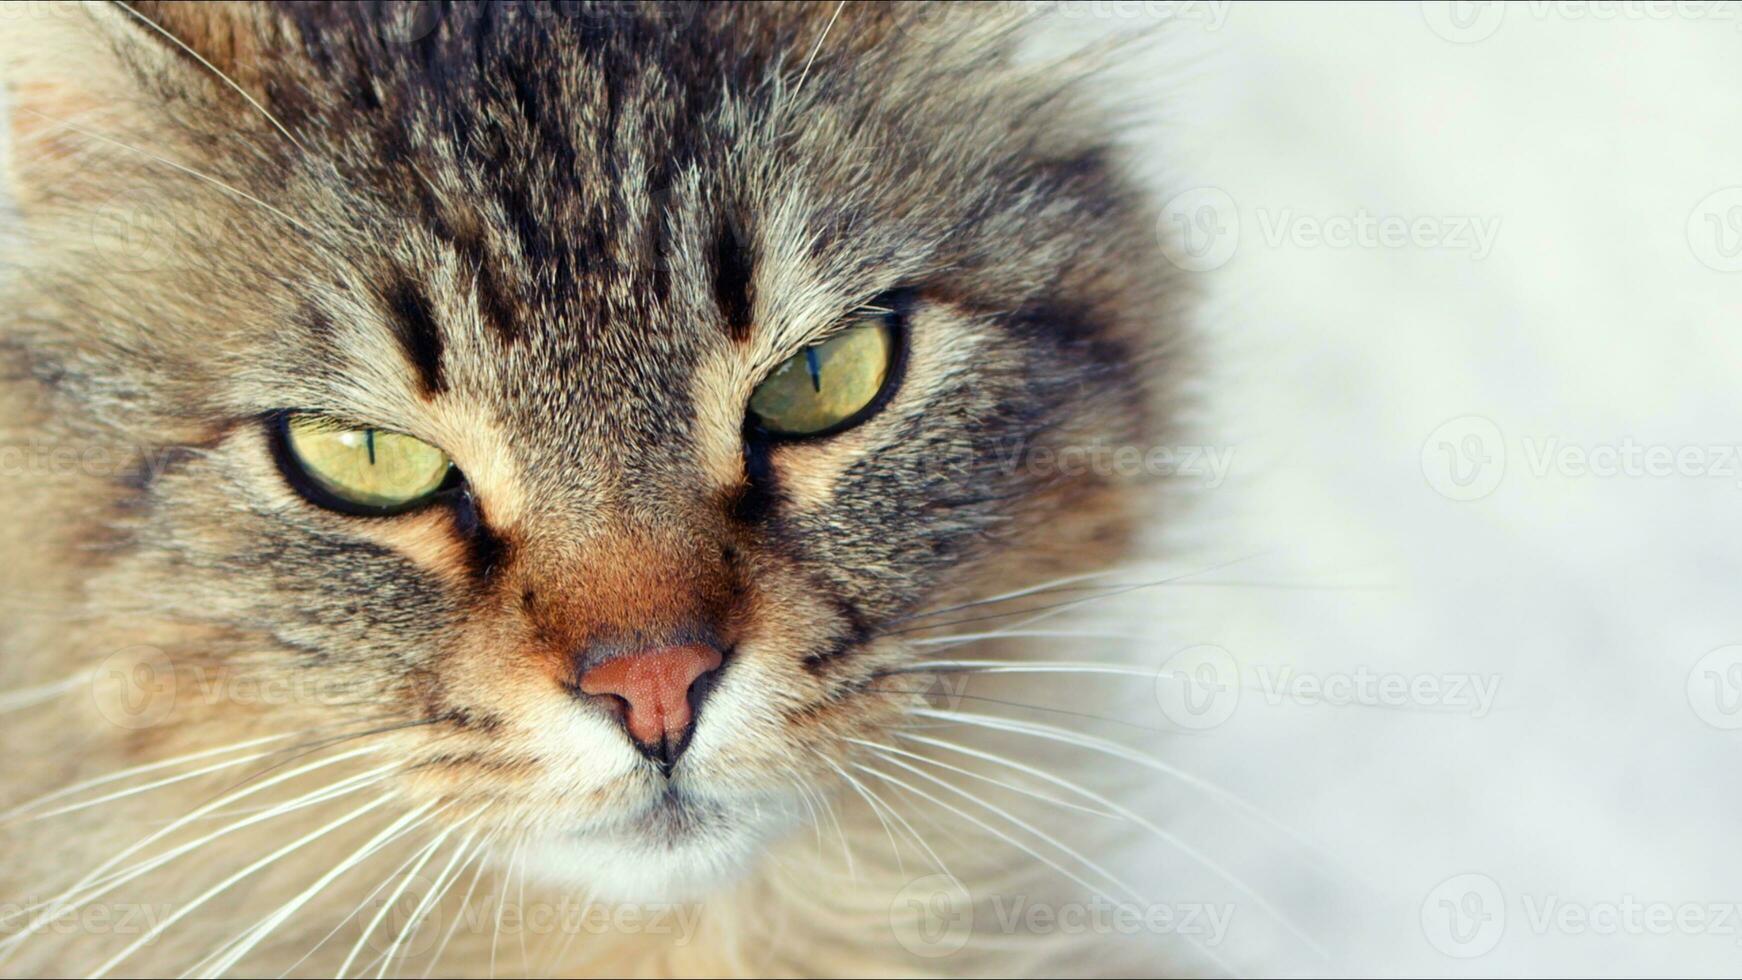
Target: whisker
x,y
465,902
423,857
1049,709
1126,812
243,195
438,890
260,930
1110,593
818,47
1019,845
104,780
894,848
962,638
227,80
982,777
155,784
189,908
109,884
97,873
29,697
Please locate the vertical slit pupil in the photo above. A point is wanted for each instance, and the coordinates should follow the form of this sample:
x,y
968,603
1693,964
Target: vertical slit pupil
x,y
810,359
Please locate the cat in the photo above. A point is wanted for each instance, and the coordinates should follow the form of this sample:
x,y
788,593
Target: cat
x,y
475,466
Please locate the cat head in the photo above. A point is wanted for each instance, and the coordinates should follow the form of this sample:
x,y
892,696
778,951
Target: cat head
x,y
586,407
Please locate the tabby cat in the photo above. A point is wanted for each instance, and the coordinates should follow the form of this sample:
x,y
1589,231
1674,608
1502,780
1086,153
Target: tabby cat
x,y
489,486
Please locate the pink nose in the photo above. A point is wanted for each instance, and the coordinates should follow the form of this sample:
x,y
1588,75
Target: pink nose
x,y
654,686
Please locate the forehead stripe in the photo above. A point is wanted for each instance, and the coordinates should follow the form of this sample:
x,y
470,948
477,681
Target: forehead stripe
x,y
419,337
733,268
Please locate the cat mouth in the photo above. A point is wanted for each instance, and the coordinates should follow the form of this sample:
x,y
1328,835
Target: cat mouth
x,y
671,818
674,815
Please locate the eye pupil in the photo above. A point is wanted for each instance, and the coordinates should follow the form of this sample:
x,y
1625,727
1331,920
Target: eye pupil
x,y
361,470
829,386
810,357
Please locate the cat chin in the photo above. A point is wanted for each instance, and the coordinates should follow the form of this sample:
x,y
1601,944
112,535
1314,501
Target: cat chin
x,y
676,852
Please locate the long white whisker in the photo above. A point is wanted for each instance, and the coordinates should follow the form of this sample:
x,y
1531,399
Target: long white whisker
x,y
1013,594
109,884
465,901
1053,609
409,928
104,780
278,917
227,80
894,848
949,641
148,787
982,777
1001,835
27,697
1153,828
243,195
437,891
427,852
189,908
818,47
97,873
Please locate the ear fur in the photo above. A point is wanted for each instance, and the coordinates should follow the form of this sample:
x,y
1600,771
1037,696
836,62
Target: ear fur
x,y
80,79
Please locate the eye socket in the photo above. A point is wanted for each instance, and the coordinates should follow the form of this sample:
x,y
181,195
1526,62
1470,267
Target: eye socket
x,y
361,470
831,386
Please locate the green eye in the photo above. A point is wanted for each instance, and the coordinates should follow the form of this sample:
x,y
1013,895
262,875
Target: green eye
x,y
363,470
828,386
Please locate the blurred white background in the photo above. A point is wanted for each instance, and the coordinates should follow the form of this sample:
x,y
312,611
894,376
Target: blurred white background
x,y
1472,276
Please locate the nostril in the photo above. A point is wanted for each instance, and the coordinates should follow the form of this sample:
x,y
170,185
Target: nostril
x,y
657,692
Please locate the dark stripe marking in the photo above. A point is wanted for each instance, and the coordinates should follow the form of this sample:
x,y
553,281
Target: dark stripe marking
x,y
733,268
418,335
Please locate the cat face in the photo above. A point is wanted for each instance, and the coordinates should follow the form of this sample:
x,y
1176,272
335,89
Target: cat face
x,y
564,251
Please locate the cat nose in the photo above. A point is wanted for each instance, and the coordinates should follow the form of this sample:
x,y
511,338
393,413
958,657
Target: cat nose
x,y
654,688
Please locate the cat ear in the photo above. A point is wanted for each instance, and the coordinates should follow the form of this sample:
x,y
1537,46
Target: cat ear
x,y
79,78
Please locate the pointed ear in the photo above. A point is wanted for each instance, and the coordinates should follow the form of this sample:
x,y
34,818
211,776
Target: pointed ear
x,y
76,75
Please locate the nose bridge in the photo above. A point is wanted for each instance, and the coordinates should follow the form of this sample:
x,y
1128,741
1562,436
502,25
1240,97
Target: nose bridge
x,y
624,585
